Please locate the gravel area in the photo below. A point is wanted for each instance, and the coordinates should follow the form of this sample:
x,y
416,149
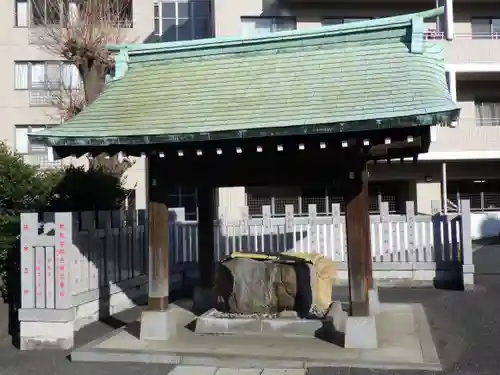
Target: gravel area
x,y
465,329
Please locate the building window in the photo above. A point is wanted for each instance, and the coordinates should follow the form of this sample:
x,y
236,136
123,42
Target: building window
x,y
328,21
50,12
176,20
45,80
186,197
22,142
21,13
485,28
395,193
487,112
263,25
484,195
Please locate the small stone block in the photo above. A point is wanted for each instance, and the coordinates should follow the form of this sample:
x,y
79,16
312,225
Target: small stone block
x,y
204,299
361,333
157,325
374,301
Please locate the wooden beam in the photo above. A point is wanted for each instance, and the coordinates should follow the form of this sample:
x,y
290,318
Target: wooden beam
x,y
384,149
158,247
206,251
358,242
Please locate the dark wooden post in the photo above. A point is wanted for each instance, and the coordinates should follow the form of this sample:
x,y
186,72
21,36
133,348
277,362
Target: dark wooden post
x,y
158,245
206,253
358,242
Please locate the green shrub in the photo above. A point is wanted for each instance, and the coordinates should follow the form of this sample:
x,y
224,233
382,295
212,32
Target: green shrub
x,y
22,188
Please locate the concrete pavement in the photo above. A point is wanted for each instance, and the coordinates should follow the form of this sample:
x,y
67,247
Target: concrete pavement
x,y
465,327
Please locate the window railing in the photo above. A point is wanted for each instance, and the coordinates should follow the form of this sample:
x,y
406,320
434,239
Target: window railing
x,y
44,97
478,36
479,202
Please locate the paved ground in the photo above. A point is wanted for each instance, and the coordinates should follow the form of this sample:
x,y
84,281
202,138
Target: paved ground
x,y
466,326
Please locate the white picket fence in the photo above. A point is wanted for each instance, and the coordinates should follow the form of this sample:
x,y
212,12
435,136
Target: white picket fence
x,y
69,256
404,238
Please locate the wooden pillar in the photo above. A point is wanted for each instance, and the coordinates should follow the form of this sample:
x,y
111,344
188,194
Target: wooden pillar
x,y
206,253
358,242
157,243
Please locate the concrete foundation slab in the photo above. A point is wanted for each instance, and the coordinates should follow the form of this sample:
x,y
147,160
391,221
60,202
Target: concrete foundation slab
x,y
361,333
403,334
157,325
374,301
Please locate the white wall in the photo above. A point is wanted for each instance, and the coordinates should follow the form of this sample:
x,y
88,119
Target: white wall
x,y
485,224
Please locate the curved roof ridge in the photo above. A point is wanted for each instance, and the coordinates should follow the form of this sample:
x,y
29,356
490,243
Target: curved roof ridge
x,y
349,28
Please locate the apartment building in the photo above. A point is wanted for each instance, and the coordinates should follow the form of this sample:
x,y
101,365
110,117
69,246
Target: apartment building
x,y
464,157
32,78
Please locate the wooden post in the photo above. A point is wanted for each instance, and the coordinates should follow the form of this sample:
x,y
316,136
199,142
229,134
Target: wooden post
x,y
158,246
359,256
206,253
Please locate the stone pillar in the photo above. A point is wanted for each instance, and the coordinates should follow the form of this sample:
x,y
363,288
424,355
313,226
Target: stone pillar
x,y
156,323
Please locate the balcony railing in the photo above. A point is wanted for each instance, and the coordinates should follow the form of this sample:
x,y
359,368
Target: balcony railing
x,y
473,122
437,35
433,35
41,160
488,121
477,36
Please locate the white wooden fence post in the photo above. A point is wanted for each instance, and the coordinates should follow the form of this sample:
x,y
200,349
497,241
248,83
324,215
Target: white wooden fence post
x,y
437,242
386,234
410,219
339,251
313,229
466,240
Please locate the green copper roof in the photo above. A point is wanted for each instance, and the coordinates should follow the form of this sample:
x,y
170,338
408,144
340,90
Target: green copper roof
x,y
361,76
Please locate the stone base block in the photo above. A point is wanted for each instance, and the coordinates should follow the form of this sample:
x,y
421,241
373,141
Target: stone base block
x,y
361,333
204,299
374,301
157,325
46,335
212,323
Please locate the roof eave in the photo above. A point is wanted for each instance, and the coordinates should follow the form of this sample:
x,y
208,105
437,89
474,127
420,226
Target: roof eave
x,y
341,127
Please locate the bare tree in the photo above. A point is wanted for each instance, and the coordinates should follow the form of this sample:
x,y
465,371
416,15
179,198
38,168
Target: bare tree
x,y
78,31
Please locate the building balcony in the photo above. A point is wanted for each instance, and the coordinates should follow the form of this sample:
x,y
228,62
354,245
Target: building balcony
x,y
468,48
469,134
